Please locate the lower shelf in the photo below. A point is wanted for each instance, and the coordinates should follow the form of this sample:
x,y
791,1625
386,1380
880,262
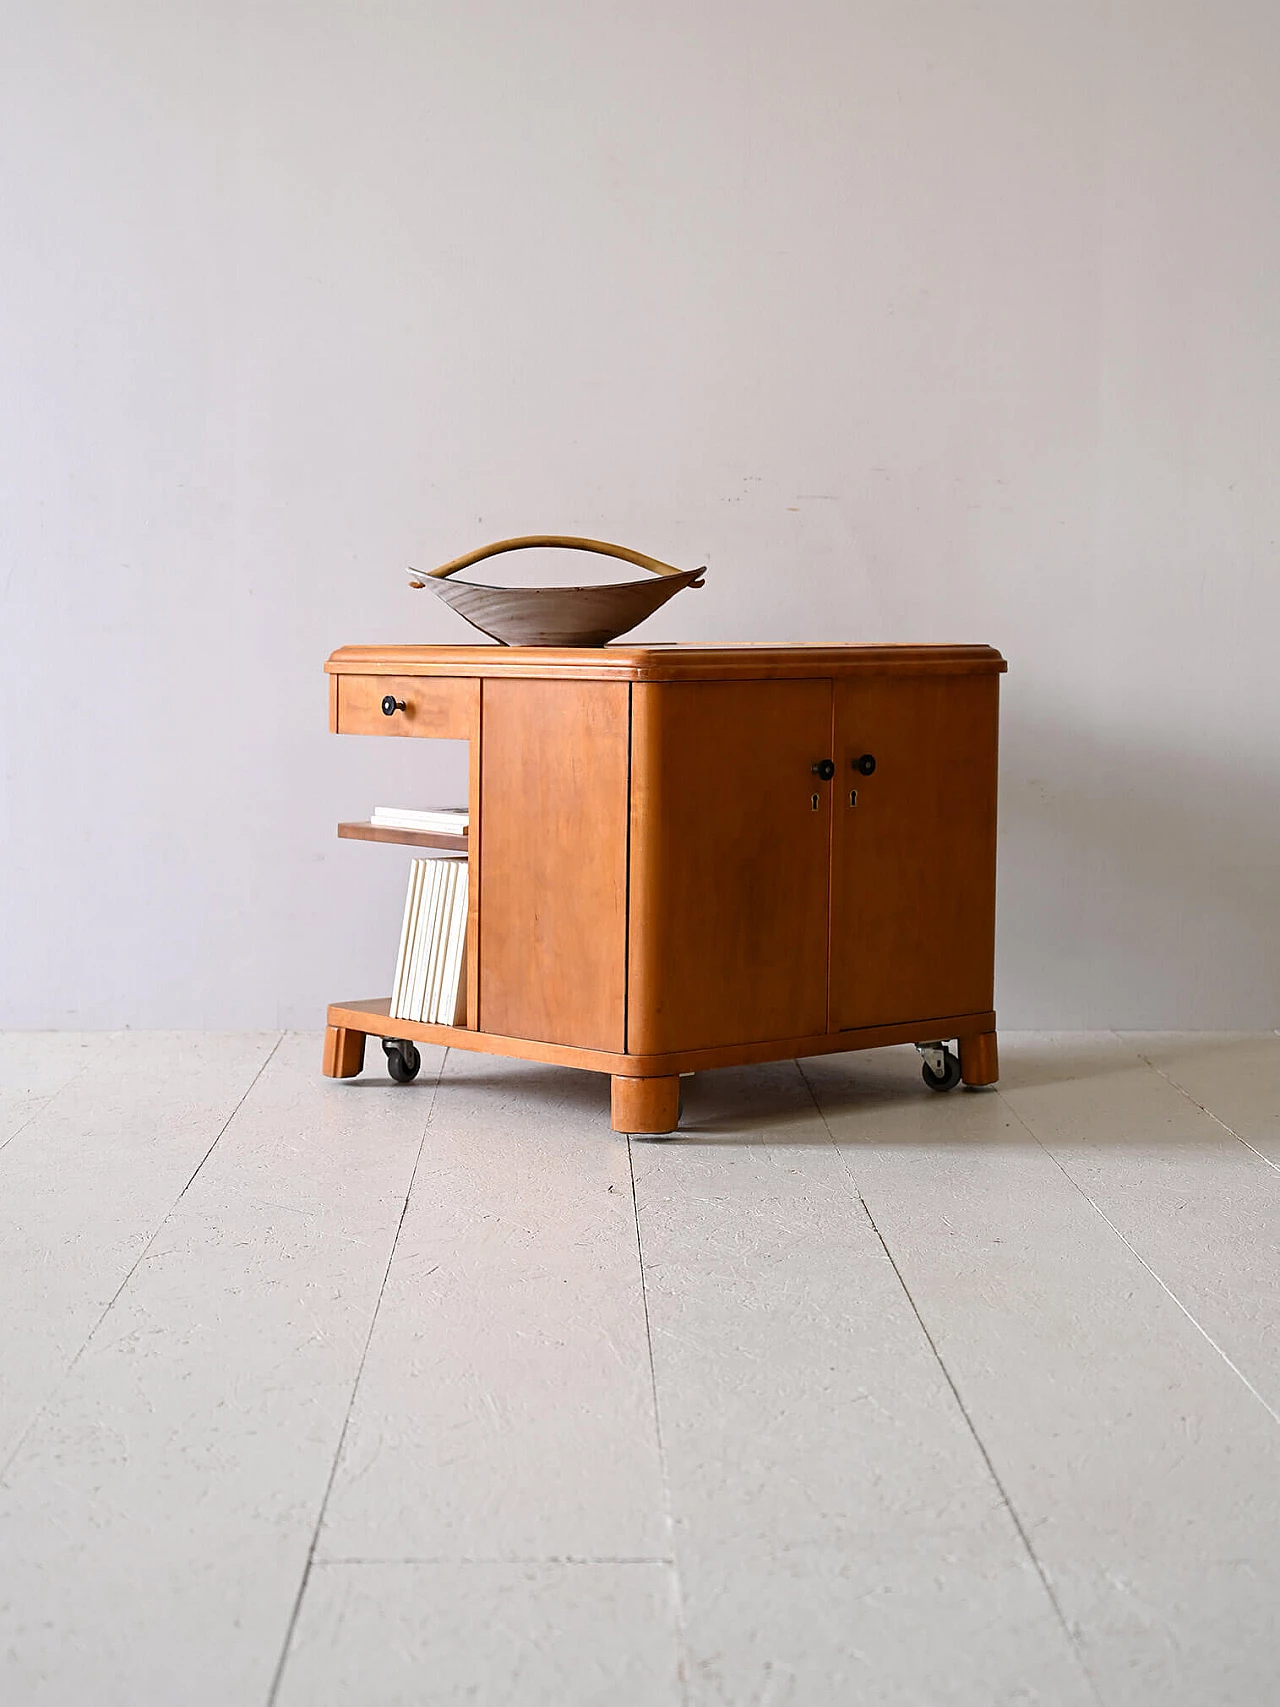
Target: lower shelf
x,y
374,1019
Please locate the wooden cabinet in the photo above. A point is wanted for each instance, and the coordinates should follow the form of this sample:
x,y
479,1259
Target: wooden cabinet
x,y
684,858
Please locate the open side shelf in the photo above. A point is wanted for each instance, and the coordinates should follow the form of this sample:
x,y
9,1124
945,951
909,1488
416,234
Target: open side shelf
x,y
409,838
374,1019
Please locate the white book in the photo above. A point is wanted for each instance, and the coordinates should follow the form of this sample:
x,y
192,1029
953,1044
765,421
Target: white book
x,y
442,957
440,932
460,955
392,815
421,811
460,1005
440,938
422,939
442,820
408,938
406,932
436,828
452,1006
407,1008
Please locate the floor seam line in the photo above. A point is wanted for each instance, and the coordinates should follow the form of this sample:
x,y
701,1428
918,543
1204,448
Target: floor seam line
x,y
278,1675
969,1423
516,1559
1138,1257
36,1113
1217,1119
142,1257
668,1514
46,1102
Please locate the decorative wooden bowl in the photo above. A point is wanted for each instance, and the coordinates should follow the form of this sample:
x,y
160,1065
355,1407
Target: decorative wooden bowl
x,y
557,616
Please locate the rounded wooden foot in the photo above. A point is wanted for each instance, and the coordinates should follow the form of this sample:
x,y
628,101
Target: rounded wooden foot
x,y
646,1105
343,1052
979,1059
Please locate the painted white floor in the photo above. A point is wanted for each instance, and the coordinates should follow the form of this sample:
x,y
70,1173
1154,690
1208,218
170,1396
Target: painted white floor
x,y
317,1394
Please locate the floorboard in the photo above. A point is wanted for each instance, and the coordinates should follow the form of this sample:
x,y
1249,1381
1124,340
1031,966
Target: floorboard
x,y
506,1408
567,1635
322,1392
1200,1207
89,1178
1235,1079
830,1502
35,1066
156,1523
1142,1469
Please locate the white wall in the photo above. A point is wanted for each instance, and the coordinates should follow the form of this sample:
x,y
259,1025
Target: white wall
x,y
914,319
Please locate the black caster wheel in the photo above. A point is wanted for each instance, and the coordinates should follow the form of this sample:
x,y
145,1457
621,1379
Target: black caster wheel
x,y
403,1059
948,1079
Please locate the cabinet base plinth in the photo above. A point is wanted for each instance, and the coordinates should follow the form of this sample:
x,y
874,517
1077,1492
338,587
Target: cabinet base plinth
x,y
646,1105
343,1052
979,1059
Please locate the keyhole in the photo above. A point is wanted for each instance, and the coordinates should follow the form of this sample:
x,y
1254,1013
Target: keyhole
x,y
853,797
813,801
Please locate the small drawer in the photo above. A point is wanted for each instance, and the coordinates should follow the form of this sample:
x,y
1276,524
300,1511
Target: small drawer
x,y
414,705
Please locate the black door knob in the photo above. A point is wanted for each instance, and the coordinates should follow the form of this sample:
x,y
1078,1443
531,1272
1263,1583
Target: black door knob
x,y
825,768
866,764
390,705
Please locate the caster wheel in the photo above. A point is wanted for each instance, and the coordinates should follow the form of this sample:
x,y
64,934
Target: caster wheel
x,y
948,1079
403,1059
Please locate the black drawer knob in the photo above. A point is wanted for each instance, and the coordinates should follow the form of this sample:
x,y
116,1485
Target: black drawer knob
x,y
825,768
866,764
390,705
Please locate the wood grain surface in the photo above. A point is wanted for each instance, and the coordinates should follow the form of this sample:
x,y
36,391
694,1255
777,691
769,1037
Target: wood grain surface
x,y
663,663
980,1059
729,863
644,1105
372,1016
475,769
441,708
914,861
659,880
366,832
553,861
343,1053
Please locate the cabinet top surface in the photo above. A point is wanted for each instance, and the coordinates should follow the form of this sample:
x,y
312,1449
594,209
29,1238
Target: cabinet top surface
x,y
663,663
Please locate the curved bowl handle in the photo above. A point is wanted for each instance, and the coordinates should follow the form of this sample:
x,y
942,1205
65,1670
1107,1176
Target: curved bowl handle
x,y
567,541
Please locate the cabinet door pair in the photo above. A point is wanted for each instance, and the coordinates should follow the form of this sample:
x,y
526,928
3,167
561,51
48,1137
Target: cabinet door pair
x,y
772,900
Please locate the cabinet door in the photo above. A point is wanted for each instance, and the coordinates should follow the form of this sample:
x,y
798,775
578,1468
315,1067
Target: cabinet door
x,y
730,863
913,862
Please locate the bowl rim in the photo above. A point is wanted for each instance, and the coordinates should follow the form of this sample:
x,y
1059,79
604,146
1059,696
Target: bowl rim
x,y
667,584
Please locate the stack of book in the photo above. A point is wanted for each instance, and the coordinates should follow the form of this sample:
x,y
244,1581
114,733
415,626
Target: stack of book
x,y
431,969
437,820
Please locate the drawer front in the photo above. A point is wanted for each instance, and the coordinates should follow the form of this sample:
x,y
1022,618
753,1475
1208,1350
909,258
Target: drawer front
x,y
433,705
